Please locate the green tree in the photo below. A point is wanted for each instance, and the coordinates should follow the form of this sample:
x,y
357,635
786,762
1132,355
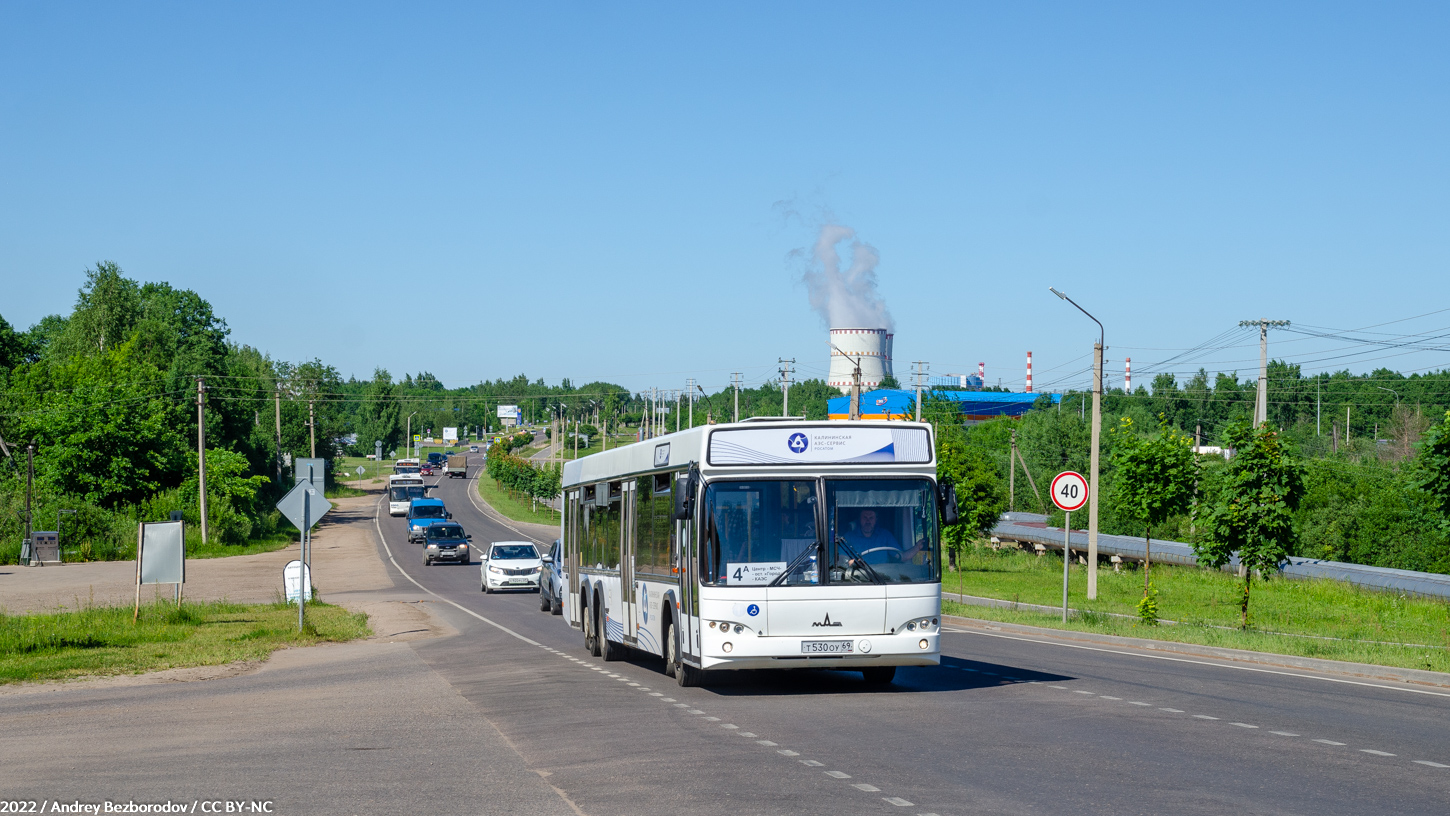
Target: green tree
x,y
1253,513
1154,479
1432,469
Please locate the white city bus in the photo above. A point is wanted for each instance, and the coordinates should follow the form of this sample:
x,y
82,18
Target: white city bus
x,y
402,489
760,544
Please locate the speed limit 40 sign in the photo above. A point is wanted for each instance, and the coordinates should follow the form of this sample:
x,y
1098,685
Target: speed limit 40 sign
x,y
1069,491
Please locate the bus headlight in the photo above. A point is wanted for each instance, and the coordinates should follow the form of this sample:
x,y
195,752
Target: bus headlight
x,y
923,643
727,647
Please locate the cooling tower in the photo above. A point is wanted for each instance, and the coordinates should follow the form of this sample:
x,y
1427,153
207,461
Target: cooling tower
x,y
871,346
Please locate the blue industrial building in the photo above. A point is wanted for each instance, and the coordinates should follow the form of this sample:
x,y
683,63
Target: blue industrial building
x,y
974,406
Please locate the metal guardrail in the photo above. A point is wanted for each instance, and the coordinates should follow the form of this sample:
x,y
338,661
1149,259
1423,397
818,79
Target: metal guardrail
x,y
1030,528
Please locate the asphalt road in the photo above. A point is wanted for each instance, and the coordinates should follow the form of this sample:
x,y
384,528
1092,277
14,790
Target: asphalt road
x,y
1008,724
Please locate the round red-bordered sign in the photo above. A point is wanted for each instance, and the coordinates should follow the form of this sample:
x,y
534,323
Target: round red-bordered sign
x,y
1069,491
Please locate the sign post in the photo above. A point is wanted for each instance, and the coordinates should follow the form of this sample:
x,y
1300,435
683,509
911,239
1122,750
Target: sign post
x,y
1069,493
303,505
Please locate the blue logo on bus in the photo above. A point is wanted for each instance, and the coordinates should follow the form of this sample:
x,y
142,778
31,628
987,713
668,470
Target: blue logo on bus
x,y
798,442
753,610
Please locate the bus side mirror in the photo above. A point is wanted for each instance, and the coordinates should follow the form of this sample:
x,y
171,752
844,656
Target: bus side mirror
x,y
949,513
684,497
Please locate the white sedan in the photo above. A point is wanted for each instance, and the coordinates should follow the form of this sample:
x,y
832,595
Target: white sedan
x,y
510,565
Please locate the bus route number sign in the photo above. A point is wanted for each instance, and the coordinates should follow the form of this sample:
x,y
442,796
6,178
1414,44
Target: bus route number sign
x,y
1069,491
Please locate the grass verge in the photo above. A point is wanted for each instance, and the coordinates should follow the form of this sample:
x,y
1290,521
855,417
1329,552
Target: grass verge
x,y
104,641
516,509
216,549
1323,619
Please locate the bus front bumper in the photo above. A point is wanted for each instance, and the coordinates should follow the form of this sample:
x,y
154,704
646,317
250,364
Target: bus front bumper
x,y
747,650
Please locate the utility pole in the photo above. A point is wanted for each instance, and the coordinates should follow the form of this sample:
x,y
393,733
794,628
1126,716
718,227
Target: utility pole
x,y
1012,475
785,385
1261,403
311,431
735,380
856,391
1317,405
29,491
1097,428
201,451
1096,461
278,402
690,387
920,368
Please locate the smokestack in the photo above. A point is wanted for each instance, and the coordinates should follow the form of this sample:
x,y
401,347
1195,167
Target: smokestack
x,y
1127,375
981,374
1029,372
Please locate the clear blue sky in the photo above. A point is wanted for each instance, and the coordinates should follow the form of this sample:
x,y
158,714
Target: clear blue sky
x,y
600,190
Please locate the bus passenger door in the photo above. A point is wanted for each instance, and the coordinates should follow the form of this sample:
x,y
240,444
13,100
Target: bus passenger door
x,y
571,559
628,598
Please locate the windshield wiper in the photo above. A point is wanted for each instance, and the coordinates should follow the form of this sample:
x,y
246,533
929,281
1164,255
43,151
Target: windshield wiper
x,y
855,556
796,562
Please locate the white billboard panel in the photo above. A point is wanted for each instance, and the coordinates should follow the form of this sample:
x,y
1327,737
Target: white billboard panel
x,y
819,445
450,434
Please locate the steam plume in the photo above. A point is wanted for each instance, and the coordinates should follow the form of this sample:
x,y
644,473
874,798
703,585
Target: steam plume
x,y
846,299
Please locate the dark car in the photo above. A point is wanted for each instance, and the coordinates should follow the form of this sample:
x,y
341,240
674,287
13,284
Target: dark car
x,y
435,459
551,580
445,542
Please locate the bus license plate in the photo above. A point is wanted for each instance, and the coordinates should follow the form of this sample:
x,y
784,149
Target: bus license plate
x,y
826,646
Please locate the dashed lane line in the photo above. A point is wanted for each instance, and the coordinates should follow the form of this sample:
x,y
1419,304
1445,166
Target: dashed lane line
x,y
1232,666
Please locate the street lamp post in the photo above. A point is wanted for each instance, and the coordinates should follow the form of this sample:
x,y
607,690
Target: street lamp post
x,y
1097,428
409,441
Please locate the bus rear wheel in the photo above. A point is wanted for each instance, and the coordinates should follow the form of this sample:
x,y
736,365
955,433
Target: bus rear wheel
x,y
879,675
591,636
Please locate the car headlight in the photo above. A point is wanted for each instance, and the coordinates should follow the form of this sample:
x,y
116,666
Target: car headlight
x,y
432,546
462,546
495,570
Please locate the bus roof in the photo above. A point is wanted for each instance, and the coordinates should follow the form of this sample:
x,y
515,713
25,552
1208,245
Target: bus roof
x,y
778,445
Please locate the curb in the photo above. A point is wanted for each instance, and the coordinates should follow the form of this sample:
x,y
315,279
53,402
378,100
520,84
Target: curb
x,y
1358,670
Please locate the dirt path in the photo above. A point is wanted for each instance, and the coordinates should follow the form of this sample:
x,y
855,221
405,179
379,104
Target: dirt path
x,y
344,559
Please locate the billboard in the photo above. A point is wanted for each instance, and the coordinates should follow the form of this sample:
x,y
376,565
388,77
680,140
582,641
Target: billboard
x,y
450,435
508,411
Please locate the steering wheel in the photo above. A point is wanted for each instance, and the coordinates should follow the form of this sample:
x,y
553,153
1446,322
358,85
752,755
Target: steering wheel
x,y
893,554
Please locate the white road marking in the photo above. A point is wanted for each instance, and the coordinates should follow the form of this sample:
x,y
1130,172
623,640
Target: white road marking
x,y
766,743
1244,725
712,719
811,763
1376,753
1080,691
1204,717
1131,702
1329,742
1064,688
1106,697
838,774
1172,710
728,725
1284,733
635,684
1431,764
667,699
747,734
695,711
682,705
784,752
862,786
1211,663
895,800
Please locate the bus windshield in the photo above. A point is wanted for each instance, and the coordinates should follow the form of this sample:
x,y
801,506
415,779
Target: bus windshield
x,y
401,493
882,531
879,531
